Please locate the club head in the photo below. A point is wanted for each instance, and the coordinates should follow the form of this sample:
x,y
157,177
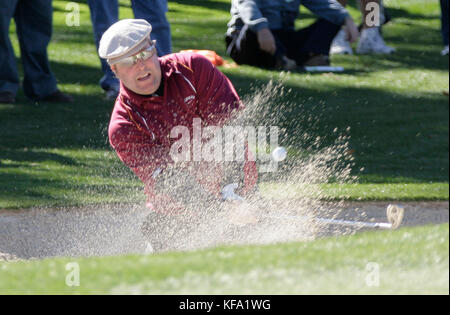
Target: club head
x,y
395,215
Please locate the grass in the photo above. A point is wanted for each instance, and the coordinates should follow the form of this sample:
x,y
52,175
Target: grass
x,y
406,261
358,191
58,155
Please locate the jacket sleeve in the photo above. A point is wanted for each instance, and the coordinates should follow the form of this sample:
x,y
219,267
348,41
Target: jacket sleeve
x,y
137,150
330,10
251,15
218,101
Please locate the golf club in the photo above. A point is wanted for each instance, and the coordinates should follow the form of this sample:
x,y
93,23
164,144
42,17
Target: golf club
x,y
394,213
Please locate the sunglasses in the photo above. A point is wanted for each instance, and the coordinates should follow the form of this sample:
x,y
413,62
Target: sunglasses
x,y
147,53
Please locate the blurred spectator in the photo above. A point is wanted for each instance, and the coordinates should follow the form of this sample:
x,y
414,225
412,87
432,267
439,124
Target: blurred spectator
x,y
371,41
262,33
34,30
105,13
444,19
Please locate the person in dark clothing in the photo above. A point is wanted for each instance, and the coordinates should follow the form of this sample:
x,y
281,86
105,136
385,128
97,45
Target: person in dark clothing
x,y
262,33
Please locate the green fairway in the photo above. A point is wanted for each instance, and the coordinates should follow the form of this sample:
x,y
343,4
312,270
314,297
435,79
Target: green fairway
x,y
358,191
407,261
58,155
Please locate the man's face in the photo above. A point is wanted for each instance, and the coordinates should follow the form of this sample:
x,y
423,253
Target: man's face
x,y
144,77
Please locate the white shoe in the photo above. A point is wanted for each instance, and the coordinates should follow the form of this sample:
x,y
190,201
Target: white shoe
x,y
372,42
340,45
445,51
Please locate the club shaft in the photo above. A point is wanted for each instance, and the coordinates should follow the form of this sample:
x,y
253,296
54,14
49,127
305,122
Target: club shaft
x,y
382,226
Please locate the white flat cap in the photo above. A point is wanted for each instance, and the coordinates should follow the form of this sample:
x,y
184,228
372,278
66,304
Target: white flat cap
x,y
124,39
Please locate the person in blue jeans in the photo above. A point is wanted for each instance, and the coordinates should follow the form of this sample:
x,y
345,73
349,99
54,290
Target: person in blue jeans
x,y
105,13
33,20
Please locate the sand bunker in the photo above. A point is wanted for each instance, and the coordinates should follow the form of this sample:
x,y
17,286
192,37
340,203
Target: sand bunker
x,y
115,229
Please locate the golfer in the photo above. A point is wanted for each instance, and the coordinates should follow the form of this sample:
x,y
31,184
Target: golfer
x,y
157,95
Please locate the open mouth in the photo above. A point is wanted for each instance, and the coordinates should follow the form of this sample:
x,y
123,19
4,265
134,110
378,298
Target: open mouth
x,y
145,77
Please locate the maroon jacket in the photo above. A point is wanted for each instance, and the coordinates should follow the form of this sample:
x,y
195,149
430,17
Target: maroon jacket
x,y
140,126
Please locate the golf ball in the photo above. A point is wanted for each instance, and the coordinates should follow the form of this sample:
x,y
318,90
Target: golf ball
x,y
279,154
